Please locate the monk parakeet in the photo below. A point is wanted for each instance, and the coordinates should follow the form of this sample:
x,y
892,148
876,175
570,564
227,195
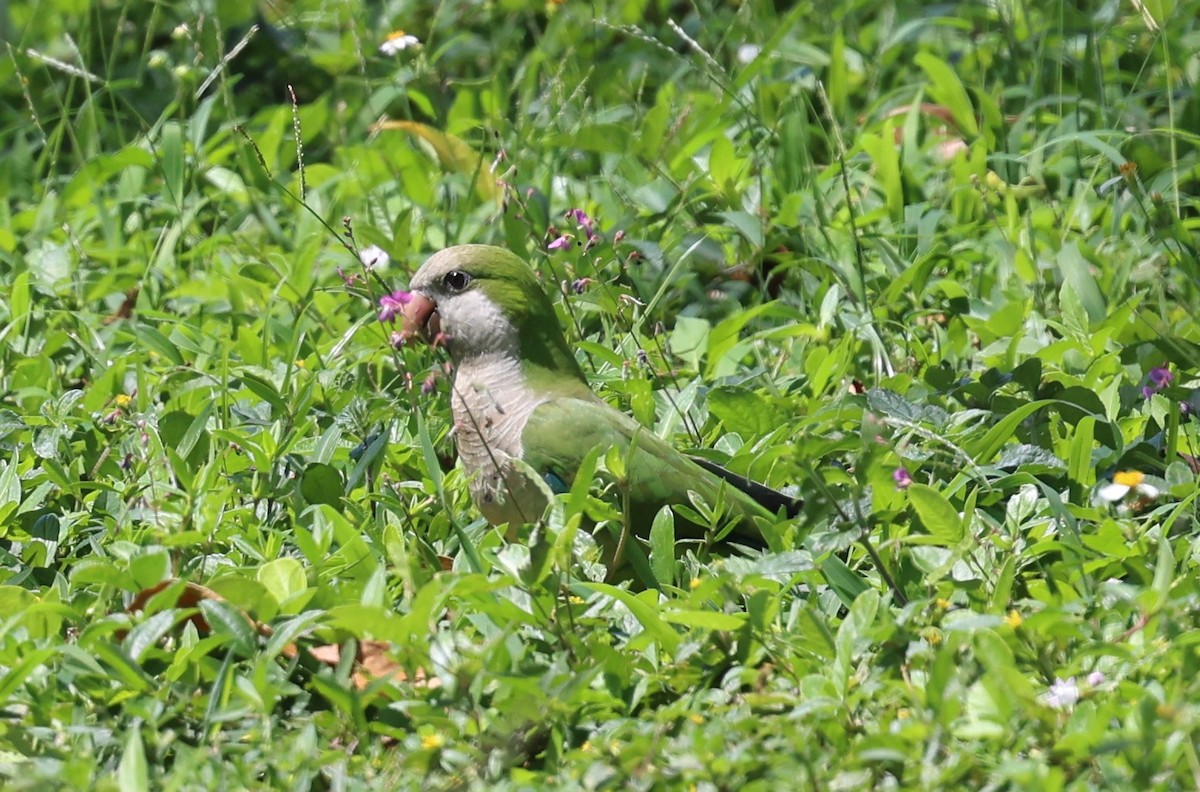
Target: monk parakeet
x,y
519,394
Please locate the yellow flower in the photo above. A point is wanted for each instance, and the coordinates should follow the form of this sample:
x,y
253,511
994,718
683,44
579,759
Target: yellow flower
x,y
124,400
575,599
942,603
432,741
1124,482
1013,619
696,718
694,583
902,713
1129,478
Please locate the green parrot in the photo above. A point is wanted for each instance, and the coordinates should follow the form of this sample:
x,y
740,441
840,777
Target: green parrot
x,y
519,394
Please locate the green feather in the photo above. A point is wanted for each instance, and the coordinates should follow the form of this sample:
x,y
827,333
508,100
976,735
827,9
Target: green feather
x,y
561,432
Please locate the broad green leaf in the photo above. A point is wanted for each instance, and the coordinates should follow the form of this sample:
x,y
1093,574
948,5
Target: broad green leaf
x,y
283,578
321,483
938,516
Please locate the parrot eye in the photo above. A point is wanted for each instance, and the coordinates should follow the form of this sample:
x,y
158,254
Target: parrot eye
x,y
456,280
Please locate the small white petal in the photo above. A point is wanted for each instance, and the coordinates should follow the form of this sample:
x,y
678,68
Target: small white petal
x,y
748,52
1148,491
1062,695
1113,492
374,257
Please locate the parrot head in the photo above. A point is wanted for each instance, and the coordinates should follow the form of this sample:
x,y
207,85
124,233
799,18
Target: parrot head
x,y
482,301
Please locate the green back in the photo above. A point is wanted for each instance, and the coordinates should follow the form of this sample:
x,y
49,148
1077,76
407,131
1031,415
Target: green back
x,y
561,432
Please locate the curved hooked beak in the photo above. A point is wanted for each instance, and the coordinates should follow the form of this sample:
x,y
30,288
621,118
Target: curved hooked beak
x,y
420,318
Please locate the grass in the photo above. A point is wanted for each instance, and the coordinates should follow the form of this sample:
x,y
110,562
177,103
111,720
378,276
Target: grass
x,y
932,268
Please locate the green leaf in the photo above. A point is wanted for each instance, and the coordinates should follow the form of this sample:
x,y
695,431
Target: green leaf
x,y
172,163
947,89
604,138
156,342
705,619
133,773
845,582
689,339
283,578
744,411
937,515
322,483
647,615
231,623
1077,271
662,546
454,155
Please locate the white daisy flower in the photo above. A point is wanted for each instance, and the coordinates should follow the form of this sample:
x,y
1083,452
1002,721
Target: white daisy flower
x,y
398,41
1123,483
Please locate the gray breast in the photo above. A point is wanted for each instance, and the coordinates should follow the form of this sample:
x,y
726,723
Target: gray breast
x,y
491,405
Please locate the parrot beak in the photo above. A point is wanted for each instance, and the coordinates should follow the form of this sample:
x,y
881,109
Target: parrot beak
x,y
420,318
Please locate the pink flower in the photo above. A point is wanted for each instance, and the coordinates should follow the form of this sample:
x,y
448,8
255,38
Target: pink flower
x,y
390,305
563,241
902,478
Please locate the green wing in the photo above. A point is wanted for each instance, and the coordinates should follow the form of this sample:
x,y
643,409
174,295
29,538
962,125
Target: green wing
x,y
561,432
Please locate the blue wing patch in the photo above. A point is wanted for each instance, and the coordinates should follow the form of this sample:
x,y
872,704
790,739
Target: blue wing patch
x,y
556,484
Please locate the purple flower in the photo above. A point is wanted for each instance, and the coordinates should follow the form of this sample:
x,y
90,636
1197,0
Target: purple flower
x,y
580,285
902,478
430,384
1160,377
390,305
580,217
563,241
1095,678
586,223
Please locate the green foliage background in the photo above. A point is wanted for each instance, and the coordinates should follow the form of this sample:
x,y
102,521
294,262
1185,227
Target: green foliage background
x,y
837,241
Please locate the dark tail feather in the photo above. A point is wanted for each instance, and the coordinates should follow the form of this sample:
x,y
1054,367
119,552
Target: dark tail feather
x,y
769,499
